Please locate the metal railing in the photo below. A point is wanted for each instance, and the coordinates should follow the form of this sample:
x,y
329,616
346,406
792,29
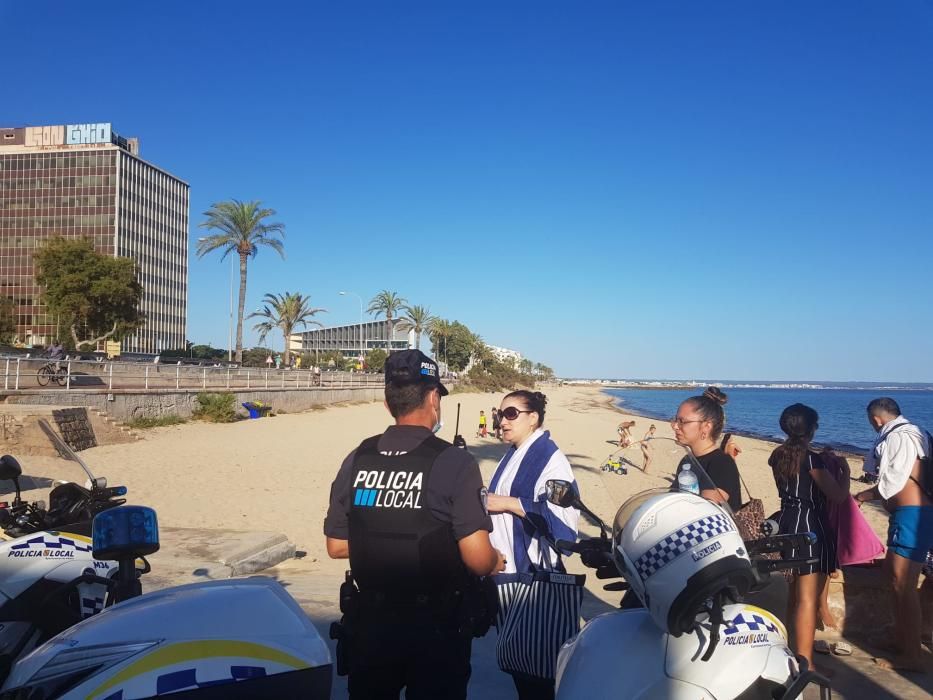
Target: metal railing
x,y
21,374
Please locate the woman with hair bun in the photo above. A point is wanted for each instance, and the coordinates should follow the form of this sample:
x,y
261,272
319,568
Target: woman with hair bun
x,y
698,425
805,485
517,502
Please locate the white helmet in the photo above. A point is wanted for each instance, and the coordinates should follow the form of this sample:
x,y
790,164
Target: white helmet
x,y
677,550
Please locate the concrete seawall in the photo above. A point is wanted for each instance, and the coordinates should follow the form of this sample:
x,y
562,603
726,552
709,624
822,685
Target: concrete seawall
x,y
126,404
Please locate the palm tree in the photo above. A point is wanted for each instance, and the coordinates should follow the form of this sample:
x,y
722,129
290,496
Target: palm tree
x,y
285,312
388,303
417,318
440,330
241,228
479,351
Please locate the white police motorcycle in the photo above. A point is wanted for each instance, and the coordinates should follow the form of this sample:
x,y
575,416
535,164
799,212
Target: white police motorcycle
x,y
229,639
682,557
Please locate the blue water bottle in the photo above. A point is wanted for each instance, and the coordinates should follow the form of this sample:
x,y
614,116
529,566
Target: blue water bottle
x,y
687,481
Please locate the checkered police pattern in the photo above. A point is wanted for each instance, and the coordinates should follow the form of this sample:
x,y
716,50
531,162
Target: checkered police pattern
x,y
52,543
754,623
91,606
677,543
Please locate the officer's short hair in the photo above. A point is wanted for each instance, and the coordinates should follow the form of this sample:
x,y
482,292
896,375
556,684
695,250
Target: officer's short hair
x,y
884,406
402,399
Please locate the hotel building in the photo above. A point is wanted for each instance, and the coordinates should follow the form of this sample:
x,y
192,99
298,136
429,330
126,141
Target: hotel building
x,y
83,180
351,339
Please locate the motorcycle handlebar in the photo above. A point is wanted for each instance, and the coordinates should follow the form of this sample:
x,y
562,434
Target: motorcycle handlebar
x,y
590,544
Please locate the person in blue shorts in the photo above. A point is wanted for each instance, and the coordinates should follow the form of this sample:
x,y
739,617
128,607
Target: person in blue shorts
x,y
898,458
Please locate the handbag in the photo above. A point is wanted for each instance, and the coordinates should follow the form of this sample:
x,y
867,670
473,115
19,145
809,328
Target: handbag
x,y
750,516
538,612
856,541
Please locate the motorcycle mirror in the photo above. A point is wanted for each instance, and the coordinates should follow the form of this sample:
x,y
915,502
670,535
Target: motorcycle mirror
x,y
10,468
561,493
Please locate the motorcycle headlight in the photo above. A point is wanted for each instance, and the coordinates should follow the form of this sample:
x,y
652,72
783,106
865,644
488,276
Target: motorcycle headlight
x,y
71,666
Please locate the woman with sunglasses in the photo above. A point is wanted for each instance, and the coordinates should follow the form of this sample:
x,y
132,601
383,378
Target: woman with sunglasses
x,y
698,425
517,502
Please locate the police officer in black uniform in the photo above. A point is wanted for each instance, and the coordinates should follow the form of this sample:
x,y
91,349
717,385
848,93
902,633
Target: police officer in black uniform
x,y
409,510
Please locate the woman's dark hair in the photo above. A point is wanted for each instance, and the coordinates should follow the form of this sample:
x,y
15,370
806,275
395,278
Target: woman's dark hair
x,y
798,422
725,441
709,407
533,400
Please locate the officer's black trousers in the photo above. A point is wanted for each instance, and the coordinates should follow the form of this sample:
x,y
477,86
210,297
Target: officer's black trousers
x,y
430,663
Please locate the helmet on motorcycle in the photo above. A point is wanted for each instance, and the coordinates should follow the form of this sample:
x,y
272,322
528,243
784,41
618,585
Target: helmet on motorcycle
x,y
677,550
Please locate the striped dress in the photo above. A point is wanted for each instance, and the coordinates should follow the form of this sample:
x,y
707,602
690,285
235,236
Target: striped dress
x,y
803,509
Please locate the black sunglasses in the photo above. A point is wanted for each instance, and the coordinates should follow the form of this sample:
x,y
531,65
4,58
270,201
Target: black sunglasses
x,y
511,413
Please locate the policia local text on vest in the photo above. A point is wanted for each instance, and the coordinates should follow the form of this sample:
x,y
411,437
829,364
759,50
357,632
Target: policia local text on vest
x,y
408,510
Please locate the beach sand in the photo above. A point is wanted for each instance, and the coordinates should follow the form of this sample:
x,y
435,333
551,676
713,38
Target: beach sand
x,y
275,473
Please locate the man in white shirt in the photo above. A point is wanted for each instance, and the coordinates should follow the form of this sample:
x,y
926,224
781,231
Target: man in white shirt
x,y
897,457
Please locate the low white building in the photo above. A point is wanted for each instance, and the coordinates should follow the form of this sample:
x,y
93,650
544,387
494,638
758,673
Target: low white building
x,y
506,355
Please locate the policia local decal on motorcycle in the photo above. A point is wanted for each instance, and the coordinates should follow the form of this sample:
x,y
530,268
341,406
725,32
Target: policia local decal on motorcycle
x,y
48,546
378,488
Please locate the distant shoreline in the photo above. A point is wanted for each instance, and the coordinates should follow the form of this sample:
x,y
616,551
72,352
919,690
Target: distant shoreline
x,y
844,449
664,385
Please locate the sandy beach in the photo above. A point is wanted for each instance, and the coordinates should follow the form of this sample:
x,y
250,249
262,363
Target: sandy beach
x,y
275,473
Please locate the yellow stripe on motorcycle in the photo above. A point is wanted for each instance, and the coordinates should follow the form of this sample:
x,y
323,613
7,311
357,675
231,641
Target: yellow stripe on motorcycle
x,y
192,651
770,616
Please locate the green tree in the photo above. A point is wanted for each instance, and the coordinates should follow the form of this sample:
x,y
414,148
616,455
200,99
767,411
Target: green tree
x,y
94,294
440,332
333,358
389,304
479,351
418,319
526,365
7,320
241,228
256,357
376,360
459,346
284,312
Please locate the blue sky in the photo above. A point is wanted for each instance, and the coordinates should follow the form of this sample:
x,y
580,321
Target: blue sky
x,y
664,189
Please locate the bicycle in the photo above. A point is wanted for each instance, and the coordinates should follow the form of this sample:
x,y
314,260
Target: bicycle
x,y
52,372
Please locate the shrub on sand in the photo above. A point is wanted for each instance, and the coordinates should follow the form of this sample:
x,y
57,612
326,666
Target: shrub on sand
x,y
155,422
216,408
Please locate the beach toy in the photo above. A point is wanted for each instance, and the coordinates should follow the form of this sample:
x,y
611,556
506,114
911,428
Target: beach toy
x,y
615,466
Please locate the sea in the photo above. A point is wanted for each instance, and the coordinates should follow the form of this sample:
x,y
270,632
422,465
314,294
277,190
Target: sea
x,y
754,409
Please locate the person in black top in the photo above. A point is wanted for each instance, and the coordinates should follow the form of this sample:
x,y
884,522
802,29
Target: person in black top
x,y
805,486
409,511
698,425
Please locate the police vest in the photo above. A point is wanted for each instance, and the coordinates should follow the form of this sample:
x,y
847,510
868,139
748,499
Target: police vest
x,y
397,546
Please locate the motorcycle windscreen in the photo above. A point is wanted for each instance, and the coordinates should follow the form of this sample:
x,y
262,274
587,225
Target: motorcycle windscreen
x,y
46,461
665,458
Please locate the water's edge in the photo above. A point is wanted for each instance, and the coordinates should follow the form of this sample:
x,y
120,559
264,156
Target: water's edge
x,y
841,447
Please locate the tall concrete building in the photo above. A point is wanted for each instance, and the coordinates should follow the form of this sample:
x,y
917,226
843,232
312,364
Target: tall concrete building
x,y
83,180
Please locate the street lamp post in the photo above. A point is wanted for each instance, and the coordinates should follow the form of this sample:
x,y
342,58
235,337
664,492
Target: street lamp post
x,y
361,322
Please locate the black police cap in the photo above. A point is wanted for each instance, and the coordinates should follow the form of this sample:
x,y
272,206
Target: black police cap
x,y
411,367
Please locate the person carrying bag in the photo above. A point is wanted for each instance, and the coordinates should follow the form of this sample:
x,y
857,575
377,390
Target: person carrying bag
x,y
539,603
538,612
856,541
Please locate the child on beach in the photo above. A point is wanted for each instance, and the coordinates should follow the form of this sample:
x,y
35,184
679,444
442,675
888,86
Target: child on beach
x,y
646,447
496,423
625,433
482,425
